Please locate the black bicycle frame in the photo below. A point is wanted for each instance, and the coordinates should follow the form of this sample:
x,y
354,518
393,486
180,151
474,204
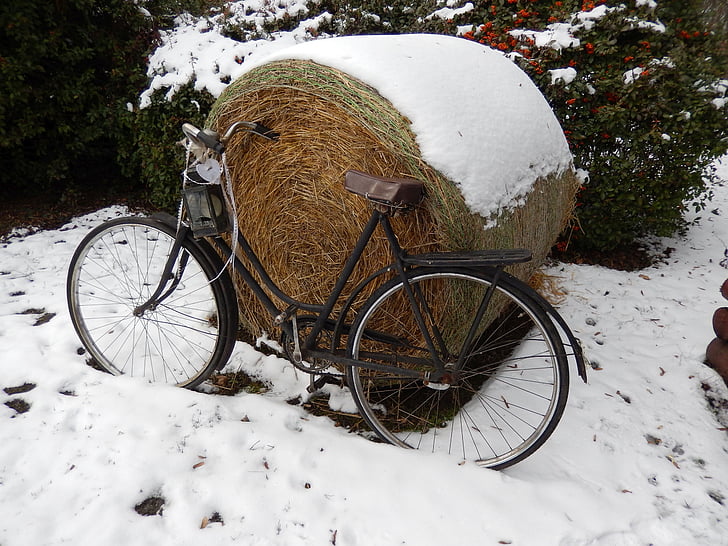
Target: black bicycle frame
x,y
324,311
496,259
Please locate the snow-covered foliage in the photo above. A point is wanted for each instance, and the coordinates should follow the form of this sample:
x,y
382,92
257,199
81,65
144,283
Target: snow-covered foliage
x,y
198,50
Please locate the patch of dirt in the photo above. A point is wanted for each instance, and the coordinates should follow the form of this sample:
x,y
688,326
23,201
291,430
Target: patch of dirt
x,y
47,212
42,318
717,403
19,405
319,405
214,518
628,258
25,387
151,506
230,384
45,317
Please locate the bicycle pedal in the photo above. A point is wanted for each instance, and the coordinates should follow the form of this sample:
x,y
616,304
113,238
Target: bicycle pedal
x,y
317,384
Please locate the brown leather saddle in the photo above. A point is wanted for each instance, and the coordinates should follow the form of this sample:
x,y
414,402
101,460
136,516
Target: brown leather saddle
x,y
395,192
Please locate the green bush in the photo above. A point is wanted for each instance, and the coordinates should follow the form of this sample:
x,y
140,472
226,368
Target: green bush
x,y
639,114
67,71
157,129
379,16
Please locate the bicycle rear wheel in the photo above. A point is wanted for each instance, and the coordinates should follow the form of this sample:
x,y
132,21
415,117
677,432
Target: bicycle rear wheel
x,y
179,340
507,380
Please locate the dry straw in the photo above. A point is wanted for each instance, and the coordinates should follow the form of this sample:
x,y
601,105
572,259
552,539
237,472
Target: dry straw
x,y
292,205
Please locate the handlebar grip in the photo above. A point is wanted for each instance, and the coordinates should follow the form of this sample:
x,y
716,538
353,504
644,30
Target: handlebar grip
x,y
211,140
265,132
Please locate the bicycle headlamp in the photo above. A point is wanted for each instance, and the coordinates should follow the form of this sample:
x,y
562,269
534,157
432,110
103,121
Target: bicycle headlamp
x,y
205,204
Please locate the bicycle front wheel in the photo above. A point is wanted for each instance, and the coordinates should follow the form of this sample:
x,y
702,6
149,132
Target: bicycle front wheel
x,y
506,379
180,339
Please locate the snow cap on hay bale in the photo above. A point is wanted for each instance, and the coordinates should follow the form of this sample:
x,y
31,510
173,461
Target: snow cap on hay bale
x,y
457,115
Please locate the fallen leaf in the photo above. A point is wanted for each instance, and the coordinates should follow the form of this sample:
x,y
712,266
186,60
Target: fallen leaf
x,y
45,317
654,440
673,461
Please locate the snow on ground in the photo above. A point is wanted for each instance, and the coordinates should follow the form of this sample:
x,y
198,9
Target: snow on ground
x,y
639,457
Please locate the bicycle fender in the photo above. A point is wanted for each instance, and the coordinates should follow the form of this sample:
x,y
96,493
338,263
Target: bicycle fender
x,y
340,326
579,356
214,259
165,218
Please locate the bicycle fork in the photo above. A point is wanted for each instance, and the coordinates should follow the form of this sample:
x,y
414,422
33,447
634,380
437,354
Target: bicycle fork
x,y
160,294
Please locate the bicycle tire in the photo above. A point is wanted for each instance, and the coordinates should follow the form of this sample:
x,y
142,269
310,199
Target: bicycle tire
x,y
508,395
180,341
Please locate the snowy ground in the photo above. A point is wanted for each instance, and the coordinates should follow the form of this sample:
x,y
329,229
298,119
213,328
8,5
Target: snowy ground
x,y
639,457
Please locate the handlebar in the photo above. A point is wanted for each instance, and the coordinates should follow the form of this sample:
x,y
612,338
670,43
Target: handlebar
x,y
207,138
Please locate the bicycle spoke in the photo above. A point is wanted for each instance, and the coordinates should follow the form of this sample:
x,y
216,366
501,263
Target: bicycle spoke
x,y
117,268
504,386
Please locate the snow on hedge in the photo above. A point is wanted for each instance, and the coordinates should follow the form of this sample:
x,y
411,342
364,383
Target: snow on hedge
x,y
198,50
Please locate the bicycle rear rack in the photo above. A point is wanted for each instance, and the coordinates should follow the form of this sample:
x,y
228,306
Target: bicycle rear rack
x,y
478,258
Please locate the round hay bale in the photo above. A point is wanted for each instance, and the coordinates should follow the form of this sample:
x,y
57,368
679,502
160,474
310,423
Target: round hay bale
x,y
293,208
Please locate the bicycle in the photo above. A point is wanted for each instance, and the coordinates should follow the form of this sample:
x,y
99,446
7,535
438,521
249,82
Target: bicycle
x,y
154,297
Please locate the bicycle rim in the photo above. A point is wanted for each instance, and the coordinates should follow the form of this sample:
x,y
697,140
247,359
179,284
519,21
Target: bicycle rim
x,y
508,384
181,340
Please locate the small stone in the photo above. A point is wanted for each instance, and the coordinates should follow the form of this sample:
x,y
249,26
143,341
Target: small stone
x,y
717,356
720,323
724,289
